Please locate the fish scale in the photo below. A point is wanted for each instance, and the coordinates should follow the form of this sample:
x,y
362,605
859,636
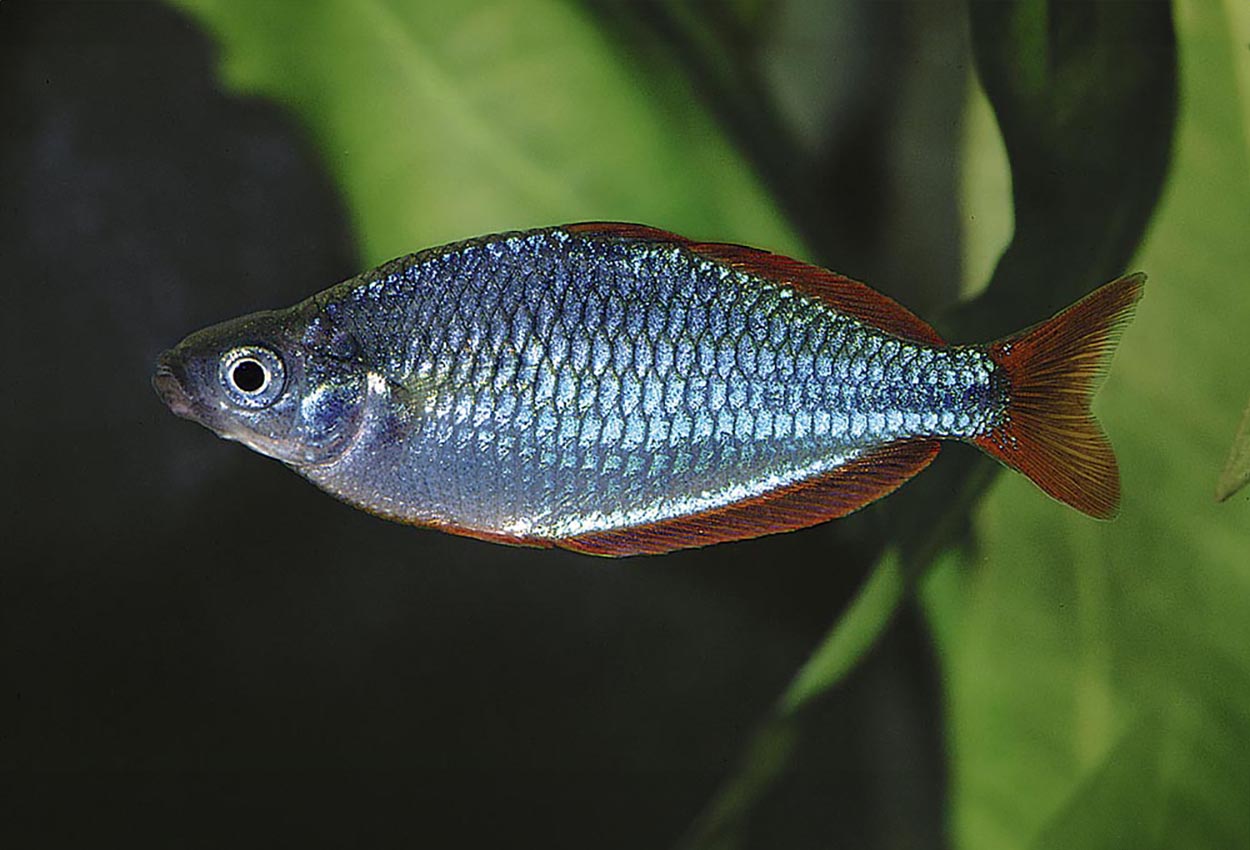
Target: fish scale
x,y
618,389
755,376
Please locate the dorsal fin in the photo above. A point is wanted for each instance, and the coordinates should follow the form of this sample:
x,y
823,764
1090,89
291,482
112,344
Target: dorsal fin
x,y
817,500
625,230
843,294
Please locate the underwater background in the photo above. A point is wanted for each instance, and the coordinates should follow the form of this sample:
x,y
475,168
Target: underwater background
x,y
201,649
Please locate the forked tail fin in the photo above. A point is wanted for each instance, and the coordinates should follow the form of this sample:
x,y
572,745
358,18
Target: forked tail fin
x,y
1052,369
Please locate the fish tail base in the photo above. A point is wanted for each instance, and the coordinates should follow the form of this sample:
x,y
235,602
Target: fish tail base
x,y
1048,431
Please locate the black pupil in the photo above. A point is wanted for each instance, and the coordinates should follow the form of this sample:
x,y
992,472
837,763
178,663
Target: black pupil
x,y
248,375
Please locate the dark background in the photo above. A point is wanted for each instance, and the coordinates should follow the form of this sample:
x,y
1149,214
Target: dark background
x,y
194,639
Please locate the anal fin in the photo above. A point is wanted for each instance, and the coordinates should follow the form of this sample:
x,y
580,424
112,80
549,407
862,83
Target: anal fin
x,y
806,503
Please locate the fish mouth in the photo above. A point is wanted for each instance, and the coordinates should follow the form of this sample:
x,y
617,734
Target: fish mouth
x,y
168,385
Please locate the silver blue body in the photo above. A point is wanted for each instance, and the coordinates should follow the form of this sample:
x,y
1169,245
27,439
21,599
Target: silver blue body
x,y
548,384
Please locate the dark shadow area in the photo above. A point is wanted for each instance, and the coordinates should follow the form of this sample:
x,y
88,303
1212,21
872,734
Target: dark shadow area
x,y
193,635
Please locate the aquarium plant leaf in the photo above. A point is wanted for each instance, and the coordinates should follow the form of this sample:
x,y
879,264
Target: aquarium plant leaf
x,y
1236,471
1085,98
724,824
442,121
1098,675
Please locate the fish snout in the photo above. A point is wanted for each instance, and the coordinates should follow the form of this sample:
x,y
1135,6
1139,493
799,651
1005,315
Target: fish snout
x,y
168,383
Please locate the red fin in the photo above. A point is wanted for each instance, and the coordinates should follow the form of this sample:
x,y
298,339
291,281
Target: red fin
x,y
843,294
625,230
810,502
1053,369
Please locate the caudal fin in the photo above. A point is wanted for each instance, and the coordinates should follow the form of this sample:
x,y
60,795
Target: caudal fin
x,y
1053,368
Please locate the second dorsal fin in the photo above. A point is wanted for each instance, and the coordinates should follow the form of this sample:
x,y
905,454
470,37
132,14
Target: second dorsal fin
x,y
625,230
843,294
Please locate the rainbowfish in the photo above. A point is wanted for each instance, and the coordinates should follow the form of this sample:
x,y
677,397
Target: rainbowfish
x,y
619,390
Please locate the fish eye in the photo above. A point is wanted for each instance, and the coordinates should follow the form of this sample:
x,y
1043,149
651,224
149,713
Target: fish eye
x,y
252,376
248,375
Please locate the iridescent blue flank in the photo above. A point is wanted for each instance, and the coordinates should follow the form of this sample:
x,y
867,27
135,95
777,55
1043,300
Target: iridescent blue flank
x,y
548,384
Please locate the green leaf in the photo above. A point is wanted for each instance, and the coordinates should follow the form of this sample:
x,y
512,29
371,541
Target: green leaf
x,y
723,824
1099,674
1085,96
446,120
1236,472
852,635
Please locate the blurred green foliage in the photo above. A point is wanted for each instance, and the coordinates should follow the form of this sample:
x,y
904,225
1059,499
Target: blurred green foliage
x,y
1097,675
1236,471
725,822
445,120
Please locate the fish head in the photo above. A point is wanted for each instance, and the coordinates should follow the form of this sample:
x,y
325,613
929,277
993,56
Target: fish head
x,y
284,383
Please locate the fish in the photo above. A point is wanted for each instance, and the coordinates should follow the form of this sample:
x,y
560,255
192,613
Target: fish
x,y
616,389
